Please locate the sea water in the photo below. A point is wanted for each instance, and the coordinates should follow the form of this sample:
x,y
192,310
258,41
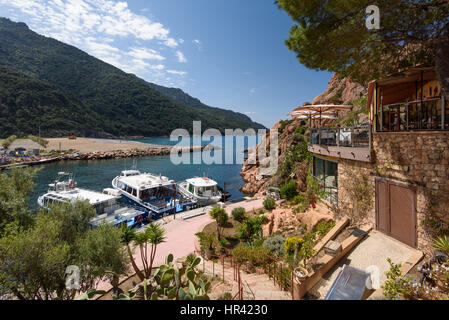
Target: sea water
x,y
98,174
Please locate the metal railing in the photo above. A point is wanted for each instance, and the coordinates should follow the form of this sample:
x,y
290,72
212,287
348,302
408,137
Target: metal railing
x,y
429,114
357,136
282,275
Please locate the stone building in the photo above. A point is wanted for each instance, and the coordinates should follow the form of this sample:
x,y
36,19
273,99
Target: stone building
x,y
392,172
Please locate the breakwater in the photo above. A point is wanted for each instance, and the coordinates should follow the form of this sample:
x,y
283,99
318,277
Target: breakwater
x,y
107,155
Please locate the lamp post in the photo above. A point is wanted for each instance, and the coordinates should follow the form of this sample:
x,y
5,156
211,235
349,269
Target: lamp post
x,y
224,191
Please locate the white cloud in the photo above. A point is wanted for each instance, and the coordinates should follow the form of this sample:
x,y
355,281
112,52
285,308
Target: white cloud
x,y
181,57
106,29
180,73
198,44
145,54
252,91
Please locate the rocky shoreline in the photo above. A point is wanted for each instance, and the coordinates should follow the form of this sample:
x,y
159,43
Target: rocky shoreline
x,y
118,154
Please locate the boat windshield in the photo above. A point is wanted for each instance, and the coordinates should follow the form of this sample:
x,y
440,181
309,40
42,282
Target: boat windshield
x,y
157,193
106,207
206,191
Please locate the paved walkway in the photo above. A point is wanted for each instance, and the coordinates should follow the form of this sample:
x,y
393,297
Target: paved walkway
x,y
180,235
372,251
249,205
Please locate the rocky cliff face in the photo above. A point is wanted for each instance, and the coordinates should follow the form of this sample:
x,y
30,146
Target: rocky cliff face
x,y
339,91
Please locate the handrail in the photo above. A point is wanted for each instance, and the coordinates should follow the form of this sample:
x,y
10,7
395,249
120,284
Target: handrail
x,y
354,136
412,102
251,291
279,279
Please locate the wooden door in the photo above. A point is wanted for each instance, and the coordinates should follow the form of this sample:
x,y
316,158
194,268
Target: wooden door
x,y
396,210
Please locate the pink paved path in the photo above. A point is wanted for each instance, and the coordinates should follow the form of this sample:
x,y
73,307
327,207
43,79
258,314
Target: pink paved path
x,y
180,237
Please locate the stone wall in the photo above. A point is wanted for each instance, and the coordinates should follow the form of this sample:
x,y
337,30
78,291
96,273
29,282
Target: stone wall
x,y
351,175
420,159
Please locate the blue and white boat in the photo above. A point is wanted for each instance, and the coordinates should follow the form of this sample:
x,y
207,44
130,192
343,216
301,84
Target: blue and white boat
x,y
106,204
157,195
201,189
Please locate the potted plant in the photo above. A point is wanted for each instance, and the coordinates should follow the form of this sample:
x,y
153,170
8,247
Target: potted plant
x,y
301,273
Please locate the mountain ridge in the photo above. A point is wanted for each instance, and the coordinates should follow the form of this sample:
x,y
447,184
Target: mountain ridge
x,y
125,104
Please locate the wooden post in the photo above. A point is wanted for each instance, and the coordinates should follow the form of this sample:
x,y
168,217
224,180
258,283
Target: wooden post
x,y
352,137
421,103
281,278
381,122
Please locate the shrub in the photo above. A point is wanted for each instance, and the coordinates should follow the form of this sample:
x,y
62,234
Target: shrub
x,y
292,243
221,217
306,251
7,142
257,256
289,190
275,244
225,296
269,204
396,285
43,142
442,244
251,229
295,154
323,227
207,241
239,214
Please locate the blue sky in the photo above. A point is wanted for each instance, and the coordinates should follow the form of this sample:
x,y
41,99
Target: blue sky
x,y
228,53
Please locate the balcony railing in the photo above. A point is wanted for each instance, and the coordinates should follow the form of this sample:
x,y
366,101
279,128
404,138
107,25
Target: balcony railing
x,y
429,114
357,137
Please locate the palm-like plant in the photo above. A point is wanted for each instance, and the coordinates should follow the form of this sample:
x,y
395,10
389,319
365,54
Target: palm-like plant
x,y
128,236
442,243
156,237
153,235
221,217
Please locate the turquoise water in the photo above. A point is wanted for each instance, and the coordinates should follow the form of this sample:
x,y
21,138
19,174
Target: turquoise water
x,y
98,174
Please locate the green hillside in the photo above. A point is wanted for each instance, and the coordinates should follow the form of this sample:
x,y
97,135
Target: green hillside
x,y
113,101
27,103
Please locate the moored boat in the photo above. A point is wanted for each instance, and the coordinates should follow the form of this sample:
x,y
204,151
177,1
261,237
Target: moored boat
x,y
203,190
106,205
158,195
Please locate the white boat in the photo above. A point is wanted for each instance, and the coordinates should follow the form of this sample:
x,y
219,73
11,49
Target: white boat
x,y
203,190
155,194
105,204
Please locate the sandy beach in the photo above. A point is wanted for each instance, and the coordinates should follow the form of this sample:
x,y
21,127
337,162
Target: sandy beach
x,y
85,145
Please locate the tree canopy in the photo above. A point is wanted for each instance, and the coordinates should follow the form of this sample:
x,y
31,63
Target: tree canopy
x,y
332,35
36,248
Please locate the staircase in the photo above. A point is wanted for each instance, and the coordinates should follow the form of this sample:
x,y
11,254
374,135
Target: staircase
x,y
254,286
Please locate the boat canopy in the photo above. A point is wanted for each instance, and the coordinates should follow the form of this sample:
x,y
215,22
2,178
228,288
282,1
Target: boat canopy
x,y
93,197
202,182
145,181
130,173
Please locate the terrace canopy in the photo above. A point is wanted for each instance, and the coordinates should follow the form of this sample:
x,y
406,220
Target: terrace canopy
x,y
319,112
